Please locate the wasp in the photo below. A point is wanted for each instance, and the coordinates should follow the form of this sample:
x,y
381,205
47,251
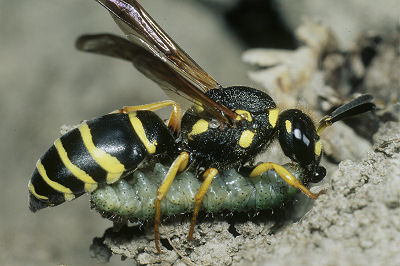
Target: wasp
x,y
226,127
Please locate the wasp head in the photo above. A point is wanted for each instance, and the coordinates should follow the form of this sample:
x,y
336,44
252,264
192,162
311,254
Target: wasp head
x,y
300,142
299,138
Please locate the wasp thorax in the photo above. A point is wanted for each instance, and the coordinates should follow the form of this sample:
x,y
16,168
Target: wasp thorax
x,y
299,139
227,146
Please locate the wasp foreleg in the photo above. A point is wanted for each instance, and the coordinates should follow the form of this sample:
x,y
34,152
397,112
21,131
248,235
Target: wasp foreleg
x,y
285,175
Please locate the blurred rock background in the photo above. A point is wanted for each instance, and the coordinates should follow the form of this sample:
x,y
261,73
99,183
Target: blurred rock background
x,y
45,83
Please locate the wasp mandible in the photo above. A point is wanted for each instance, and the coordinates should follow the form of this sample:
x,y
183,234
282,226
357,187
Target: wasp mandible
x,y
225,128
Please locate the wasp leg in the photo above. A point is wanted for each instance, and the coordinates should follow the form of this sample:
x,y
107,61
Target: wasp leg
x,y
285,175
174,119
179,164
208,176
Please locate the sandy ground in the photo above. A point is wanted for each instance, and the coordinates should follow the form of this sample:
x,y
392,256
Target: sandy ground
x,y
45,83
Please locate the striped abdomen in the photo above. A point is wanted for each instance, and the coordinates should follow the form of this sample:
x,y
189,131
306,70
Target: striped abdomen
x,y
101,150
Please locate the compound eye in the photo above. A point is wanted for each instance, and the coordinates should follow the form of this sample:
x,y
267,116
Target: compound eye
x,y
297,136
319,174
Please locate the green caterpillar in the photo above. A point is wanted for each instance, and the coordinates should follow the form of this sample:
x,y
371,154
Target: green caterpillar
x,y
133,198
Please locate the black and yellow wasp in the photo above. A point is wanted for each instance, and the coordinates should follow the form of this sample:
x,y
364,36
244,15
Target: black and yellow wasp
x,y
225,127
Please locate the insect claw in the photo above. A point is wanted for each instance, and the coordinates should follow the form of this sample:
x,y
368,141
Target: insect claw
x,y
322,191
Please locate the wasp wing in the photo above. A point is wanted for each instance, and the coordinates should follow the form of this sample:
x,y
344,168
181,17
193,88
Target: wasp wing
x,y
108,44
161,59
163,75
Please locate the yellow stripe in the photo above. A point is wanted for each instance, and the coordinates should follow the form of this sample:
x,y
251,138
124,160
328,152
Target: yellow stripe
x,y
90,184
109,163
273,116
33,191
139,130
51,183
246,139
199,127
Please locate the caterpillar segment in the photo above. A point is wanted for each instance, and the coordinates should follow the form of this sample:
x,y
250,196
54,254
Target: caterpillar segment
x,y
101,150
230,191
134,197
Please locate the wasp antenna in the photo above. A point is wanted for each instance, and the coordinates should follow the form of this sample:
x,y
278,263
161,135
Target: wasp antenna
x,y
357,106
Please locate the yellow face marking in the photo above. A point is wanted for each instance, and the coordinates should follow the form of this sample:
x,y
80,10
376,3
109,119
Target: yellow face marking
x,y
245,113
33,191
246,139
51,183
109,163
76,171
139,130
318,148
199,127
288,126
273,116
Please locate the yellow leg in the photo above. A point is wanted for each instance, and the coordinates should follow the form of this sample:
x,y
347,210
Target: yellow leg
x,y
179,164
208,176
174,119
285,175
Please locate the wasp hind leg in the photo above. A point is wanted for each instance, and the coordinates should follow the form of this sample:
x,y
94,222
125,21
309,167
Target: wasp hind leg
x,y
285,175
179,164
208,176
174,119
